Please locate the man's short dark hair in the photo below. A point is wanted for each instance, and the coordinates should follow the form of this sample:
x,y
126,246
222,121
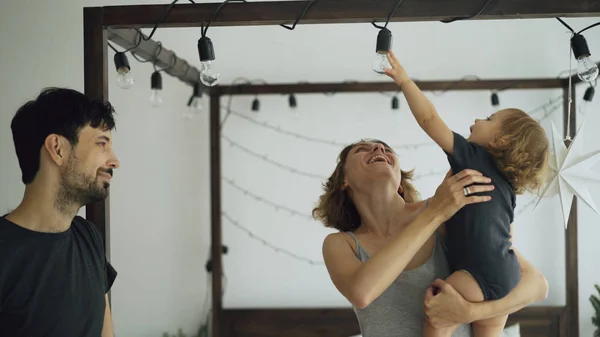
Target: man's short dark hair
x,y
60,111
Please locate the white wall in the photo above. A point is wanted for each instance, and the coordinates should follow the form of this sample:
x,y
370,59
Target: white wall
x,y
160,210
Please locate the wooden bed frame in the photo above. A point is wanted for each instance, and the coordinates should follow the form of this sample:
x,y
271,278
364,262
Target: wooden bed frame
x,y
118,24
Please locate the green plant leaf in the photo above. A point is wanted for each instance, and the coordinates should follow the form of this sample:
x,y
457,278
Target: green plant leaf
x,y
595,303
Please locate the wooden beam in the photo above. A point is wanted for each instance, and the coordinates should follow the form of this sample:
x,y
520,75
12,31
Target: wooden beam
x,y
215,188
298,88
151,50
318,322
340,11
571,249
96,87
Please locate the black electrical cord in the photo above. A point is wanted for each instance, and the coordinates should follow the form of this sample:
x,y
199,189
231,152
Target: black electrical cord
x,y
299,17
588,27
573,31
468,17
160,20
205,29
139,41
112,47
389,16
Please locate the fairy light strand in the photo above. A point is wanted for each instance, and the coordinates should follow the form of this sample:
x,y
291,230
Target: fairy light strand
x,y
277,249
294,170
547,108
256,197
278,129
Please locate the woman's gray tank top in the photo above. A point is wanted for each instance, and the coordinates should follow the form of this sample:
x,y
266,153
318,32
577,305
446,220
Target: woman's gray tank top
x,y
398,311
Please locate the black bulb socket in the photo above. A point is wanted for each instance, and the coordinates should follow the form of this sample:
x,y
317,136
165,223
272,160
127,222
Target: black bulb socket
x,y
255,105
205,49
495,99
197,92
395,103
588,96
156,81
384,40
121,61
579,46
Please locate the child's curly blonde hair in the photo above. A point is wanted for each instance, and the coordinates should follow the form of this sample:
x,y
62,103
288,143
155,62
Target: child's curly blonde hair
x,y
521,151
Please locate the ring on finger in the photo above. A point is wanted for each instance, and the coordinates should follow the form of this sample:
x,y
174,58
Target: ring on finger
x,y
466,191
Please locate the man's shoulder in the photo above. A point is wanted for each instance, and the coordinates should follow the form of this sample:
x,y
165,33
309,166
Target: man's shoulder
x,y
84,224
88,229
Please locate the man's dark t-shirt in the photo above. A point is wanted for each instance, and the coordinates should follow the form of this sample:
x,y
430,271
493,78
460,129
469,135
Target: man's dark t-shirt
x,y
479,234
53,284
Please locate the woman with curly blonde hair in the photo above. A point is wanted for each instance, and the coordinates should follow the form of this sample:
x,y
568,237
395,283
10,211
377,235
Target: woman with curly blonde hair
x,y
388,257
511,148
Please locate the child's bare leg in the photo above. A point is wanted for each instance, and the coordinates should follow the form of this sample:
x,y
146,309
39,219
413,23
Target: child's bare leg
x,y
466,285
492,327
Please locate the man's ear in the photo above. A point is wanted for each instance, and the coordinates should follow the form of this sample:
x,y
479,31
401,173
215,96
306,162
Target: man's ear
x,y
57,149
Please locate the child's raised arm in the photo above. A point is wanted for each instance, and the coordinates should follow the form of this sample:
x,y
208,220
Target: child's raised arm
x,y
423,110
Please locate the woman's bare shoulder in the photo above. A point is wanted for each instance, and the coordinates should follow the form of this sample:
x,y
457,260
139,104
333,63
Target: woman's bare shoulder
x,y
338,239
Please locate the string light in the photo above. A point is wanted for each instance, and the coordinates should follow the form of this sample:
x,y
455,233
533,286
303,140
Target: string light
x,y
313,139
258,198
291,169
270,161
300,136
268,244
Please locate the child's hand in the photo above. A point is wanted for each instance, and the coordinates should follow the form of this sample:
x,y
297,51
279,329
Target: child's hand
x,y
397,73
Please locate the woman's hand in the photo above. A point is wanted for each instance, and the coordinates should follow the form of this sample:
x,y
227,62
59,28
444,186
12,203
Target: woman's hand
x,y
456,191
445,307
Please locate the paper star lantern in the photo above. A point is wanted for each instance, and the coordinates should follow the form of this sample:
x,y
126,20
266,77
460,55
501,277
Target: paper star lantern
x,y
571,172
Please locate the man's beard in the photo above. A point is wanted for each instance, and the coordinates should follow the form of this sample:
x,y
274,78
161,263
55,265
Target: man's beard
x,y
78,189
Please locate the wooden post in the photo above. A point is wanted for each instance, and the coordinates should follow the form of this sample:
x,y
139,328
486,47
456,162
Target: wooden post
x,y
571,254
215,187
96,87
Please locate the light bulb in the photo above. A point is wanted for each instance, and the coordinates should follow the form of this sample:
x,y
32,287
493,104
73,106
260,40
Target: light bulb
x,y
124,78
208,76
384,44
156,87
587,70
380,63
156,98
194,109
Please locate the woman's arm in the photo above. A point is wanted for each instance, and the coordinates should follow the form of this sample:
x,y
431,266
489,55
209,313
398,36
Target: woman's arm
x,y
533,287
362,283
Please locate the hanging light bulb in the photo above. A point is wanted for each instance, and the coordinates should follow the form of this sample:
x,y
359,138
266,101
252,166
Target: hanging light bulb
x,y
395,103
292,101
156,86
124,78
255,105
588,96
495,99
207,55
587,70
194,104
384,44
